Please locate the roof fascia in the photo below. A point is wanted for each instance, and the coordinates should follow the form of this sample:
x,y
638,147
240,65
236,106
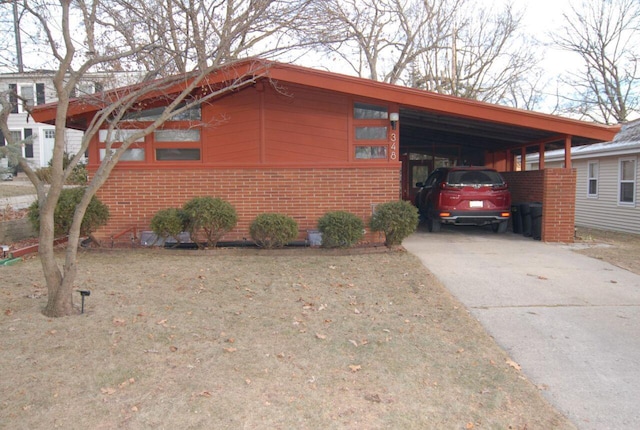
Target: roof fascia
x,y
420,99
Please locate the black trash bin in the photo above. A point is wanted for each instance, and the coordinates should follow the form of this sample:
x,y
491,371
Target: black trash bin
x,y
525,214
536,220
516,219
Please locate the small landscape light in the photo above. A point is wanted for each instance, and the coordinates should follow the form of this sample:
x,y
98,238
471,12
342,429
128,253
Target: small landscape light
x,y
83,294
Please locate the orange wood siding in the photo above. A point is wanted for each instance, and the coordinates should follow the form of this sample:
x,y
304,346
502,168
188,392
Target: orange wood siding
x,y
306,126
232,133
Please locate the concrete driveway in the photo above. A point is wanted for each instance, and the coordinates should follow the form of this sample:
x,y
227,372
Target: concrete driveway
x,y
572,322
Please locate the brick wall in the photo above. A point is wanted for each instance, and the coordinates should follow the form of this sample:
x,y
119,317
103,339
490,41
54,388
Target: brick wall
x,y
556,189
525,186
134,196
559,205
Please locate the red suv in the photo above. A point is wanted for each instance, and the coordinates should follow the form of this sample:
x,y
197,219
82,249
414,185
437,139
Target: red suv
x,y
464,196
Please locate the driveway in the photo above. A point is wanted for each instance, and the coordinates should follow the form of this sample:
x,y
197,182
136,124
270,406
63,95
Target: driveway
x,y
572,322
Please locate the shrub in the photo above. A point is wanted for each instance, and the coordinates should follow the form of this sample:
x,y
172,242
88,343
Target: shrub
x,y
213,216
273,230
340,229
96,215
396,219
169,223
78,175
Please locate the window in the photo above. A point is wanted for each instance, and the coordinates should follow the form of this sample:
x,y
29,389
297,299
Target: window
x,y
118,135
592,178
178,154
371,152
627,181
24,96
191,114
28,143
49,133
188,135
369,111
131,154
170,148
371,133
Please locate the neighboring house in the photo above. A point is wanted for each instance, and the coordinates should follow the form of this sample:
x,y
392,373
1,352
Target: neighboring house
x,y
607,180
30,89
304,142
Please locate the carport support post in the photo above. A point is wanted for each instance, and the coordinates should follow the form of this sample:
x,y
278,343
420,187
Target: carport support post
x,y
567,152
541,157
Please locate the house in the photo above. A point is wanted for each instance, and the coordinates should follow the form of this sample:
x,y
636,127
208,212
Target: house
x,y
607,175
29,89
304,142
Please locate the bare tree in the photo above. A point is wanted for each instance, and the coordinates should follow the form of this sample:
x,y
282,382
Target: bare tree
x,y
190,34
380,39
604,34
76,51
484,57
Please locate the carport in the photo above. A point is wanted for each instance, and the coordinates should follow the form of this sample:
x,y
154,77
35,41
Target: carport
x,y
472,133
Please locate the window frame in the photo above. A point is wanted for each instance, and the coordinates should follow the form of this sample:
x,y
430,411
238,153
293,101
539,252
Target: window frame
x,y
16,89
622,181
591,179
380,120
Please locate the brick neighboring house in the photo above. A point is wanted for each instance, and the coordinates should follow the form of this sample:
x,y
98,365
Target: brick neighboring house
x,y
304,142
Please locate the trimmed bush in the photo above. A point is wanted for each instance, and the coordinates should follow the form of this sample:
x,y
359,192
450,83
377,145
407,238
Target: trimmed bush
x,y
213,216
272,230
396,219
169,223
97,213
340,229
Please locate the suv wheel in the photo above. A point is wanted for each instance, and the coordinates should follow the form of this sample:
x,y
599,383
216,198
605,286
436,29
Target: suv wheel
x,y
500,227
433,225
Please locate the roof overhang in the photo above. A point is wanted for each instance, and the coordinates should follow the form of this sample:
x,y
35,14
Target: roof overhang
x,y
445,119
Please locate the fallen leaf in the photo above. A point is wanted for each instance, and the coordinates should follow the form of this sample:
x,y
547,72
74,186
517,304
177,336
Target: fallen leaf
x,y
204,394
161,322
460,351
470,426
229,349
321,336
119,322
8,312
375,398
230,340
355,367
107,390
356,311
513,364
134,408
353,342
173,348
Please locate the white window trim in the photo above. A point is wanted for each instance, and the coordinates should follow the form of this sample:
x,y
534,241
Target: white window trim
x,y
19,86
634,180
589,179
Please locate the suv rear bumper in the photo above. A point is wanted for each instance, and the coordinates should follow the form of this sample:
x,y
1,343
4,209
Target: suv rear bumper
x,y
473,217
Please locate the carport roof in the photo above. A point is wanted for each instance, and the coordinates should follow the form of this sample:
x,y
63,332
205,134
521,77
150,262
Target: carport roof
x,y
440,118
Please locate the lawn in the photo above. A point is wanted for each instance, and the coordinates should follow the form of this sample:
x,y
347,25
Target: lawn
x,y
305,339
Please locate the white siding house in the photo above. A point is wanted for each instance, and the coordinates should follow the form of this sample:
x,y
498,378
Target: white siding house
x,y
36,88
607,194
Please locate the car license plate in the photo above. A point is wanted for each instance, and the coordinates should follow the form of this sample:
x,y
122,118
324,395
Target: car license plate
x,y
475,204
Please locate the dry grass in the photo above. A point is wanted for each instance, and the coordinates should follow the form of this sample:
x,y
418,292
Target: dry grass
x,y
619,249
229,339
10,190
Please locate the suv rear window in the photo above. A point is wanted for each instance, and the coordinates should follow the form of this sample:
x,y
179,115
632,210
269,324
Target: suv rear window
x,y
482,177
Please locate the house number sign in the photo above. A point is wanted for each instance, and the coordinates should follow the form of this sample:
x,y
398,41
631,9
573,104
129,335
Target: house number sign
x,y
394,146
